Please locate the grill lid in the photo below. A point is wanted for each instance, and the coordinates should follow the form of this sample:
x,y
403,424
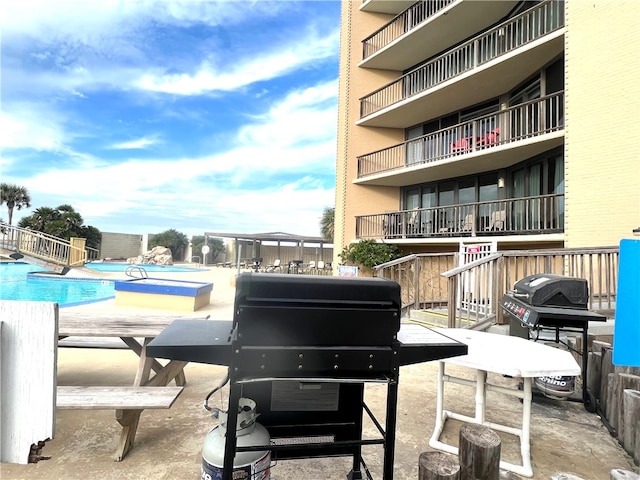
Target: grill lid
x,y
551,290
308,310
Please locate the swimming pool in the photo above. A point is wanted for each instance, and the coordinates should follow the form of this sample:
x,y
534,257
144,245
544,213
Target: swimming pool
x,y
17,283
149,267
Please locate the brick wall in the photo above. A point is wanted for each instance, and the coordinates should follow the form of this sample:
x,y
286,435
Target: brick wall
x,y
602,157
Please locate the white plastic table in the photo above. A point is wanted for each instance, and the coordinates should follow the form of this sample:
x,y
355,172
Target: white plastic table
x,y
506,355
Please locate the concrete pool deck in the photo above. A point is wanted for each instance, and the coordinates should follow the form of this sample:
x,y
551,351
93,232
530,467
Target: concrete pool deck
x,y
564,436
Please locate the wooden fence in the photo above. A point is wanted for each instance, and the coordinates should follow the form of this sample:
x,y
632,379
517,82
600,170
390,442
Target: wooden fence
x,y
437,281
615,391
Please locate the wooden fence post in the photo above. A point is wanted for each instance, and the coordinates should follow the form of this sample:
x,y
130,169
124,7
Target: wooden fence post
x,y
605,370
594,373
437,466
636,450
479,453
631,417
623,381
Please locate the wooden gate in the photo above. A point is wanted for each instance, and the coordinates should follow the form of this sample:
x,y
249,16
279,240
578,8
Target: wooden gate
x,y
474,286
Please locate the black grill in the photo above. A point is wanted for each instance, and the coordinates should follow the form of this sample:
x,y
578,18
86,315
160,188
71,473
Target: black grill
x,y
303,347
557,303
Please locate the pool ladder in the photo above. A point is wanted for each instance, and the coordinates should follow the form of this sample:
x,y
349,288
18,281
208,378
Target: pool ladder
x,y
136,271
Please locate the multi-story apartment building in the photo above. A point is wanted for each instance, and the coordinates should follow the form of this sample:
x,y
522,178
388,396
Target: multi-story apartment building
x,y
515,122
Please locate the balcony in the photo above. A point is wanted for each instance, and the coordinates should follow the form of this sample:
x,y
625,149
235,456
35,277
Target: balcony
x,y
484,144
428,27
537,215
482,68
392,7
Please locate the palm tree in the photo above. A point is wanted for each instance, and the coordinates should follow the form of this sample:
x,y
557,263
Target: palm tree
x,y
14,196
327,224
41,217
71,218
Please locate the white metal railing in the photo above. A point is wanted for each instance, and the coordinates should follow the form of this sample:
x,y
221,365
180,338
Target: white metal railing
x,y
536,215
527,120
516,32
404,22
136,271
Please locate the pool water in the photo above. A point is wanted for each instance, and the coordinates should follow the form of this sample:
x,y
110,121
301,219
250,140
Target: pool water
x,y
16,283
149,267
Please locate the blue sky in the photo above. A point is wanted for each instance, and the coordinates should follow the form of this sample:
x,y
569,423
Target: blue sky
x,y
193,115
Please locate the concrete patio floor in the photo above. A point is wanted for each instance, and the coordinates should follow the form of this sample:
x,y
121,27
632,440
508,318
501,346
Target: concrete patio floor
x,y
564,436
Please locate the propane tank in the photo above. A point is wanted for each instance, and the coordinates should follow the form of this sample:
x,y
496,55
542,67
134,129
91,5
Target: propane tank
x,y
246,465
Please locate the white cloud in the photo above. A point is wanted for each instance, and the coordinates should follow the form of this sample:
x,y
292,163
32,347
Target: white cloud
x,y
88,44
294,206
296,135
76,41
41,128
271,175
89,20
26,127
273,62
307,115
139,143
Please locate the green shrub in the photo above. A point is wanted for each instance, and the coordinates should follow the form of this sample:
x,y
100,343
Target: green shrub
x,y
369,253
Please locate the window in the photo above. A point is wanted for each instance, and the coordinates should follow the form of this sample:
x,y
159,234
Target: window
x,y
525,120
487,192
540,184
412,199
415,148
429,201
518,190
535,189
556,176
467,191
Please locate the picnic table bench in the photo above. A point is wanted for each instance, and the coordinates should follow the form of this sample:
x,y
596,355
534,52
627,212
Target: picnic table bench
x,y
147,392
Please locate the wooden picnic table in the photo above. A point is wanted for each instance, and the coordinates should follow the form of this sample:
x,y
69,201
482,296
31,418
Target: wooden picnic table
x,y
148,390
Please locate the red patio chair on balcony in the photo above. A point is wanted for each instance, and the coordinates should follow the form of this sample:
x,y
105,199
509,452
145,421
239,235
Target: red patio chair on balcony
x,y
461,145
490,138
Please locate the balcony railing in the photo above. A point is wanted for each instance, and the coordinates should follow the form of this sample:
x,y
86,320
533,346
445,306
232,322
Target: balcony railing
x,y
401,24
536,215
529,119
531,25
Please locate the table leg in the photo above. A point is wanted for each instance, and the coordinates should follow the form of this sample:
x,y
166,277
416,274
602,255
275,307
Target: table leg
x,y
525,447
481,396
144,366
481,387
167,371
129,420
133,344
434,442
180,379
